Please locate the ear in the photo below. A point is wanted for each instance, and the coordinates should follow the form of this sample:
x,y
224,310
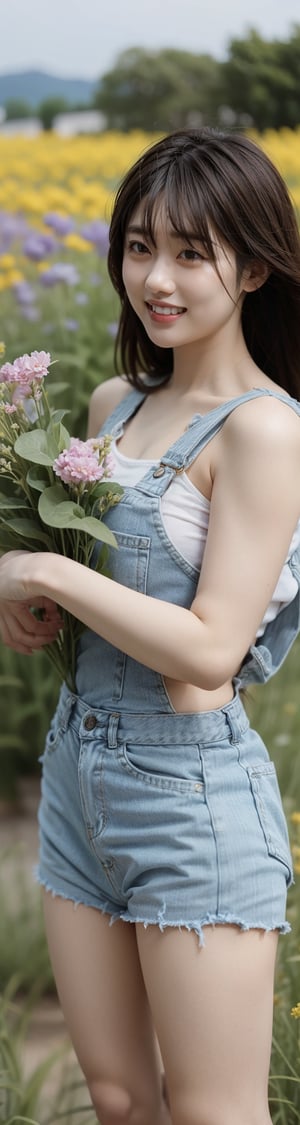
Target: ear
x,y
254,276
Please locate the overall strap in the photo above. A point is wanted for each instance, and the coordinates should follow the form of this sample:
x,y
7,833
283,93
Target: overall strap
x,y
115,422
201,430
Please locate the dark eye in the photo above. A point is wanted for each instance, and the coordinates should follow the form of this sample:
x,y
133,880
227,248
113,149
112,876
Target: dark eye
x,y
190,255
138,247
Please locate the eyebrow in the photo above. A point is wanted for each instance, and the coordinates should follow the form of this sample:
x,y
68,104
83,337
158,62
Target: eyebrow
x,y
188,236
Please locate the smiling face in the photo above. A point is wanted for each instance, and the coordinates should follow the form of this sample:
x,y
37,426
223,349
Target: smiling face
x,y
178,291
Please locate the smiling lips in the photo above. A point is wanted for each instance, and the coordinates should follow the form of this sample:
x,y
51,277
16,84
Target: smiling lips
x,y
164,312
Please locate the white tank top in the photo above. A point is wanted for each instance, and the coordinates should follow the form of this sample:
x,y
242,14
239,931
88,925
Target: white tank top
x,y
185,515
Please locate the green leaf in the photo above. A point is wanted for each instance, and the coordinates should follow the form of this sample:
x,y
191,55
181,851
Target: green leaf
x,y
37,477
97,529
53,498
28,528
57,511
12,502
104,487
34,446
58,438
57,415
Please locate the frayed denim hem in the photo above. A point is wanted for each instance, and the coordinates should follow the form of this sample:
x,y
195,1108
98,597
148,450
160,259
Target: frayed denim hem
x,y
195,926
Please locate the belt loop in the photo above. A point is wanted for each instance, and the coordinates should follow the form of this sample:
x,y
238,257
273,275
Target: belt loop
x,y
234,726
112,731
69,704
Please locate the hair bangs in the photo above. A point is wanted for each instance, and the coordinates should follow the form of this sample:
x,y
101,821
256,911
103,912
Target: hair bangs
x,y
183,198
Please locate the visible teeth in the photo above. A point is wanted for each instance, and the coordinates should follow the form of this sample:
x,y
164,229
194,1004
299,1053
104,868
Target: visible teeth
x,y
163,310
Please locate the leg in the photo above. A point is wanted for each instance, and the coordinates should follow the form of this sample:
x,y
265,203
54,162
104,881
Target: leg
x,y
104,1001
212,1008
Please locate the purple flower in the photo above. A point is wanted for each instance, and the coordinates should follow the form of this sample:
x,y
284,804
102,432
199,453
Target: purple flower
x,y
97,232
63,272
37,246
24,292
112,329
95,279
70,324
30,312
81,298
62,224
11,227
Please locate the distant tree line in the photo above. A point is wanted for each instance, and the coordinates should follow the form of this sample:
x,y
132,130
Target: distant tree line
x,y
258,84
46,111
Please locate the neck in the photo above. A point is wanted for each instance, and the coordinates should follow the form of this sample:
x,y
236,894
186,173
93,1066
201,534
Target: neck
x,y
213,368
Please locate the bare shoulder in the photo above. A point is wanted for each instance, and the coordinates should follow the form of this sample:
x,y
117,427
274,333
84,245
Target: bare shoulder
x,y
265,423
103,401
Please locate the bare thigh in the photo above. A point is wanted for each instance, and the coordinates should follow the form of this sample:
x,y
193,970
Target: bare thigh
x,y
103,997
212,1009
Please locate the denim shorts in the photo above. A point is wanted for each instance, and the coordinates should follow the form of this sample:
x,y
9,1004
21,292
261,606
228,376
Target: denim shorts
x,y
166,819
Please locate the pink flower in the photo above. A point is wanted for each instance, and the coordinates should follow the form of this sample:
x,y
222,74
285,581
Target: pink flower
x,y
27,369
79,464
9,408
99,445
7,373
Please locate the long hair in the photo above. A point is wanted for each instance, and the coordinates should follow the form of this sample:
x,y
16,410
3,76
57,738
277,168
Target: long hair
x,y
216,183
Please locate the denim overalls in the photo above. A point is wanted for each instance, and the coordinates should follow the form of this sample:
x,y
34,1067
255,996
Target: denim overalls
x,y
147,814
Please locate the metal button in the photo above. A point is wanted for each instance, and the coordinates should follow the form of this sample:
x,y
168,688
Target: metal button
x,y
198,787
90,722
159,472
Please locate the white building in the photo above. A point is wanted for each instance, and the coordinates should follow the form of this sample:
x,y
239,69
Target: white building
x,y
81,121
23,126
65,124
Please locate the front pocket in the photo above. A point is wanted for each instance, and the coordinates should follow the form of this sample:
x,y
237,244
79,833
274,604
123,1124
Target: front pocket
x,y
158,766
268,803
54,733
128,563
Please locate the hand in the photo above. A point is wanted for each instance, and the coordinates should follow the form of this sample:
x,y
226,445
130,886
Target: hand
x,y
17,570
21,630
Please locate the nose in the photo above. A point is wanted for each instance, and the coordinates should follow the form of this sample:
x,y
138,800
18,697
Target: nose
x,y
159,279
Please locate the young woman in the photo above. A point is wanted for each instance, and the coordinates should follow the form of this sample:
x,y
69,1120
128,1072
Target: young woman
x,y
160,807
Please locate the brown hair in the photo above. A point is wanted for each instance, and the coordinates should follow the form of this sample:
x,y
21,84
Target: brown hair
x,y
225,182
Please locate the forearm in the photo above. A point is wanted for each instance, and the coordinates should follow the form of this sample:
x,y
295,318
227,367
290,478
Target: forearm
x,y
165,637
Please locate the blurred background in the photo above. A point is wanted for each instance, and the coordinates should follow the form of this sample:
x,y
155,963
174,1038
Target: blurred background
x,y
83,91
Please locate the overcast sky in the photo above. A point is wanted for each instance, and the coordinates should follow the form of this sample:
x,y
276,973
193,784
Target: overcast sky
x,y
82,38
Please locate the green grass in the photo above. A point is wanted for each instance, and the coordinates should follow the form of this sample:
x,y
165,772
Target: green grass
x,y
53,1092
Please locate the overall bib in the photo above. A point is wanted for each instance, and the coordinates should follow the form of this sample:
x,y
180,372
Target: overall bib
x,y
150,815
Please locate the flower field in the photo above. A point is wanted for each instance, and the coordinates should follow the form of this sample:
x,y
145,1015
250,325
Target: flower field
x,y
56,197
55,204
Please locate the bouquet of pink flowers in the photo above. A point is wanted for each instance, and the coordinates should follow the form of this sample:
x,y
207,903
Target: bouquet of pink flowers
x,y
54,487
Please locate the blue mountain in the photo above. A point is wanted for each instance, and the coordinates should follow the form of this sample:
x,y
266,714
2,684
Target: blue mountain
x,y
33,86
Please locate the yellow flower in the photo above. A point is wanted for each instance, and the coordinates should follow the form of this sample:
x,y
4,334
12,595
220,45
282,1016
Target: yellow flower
x,y
295,817
295,1012
13,276
4,282
75,242
7,261
2,348
297,868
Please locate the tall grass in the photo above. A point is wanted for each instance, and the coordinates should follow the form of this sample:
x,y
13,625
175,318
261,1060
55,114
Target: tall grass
x,y
53,1092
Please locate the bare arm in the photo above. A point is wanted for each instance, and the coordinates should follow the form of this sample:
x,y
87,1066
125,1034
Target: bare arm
x,y
254,511
103,401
